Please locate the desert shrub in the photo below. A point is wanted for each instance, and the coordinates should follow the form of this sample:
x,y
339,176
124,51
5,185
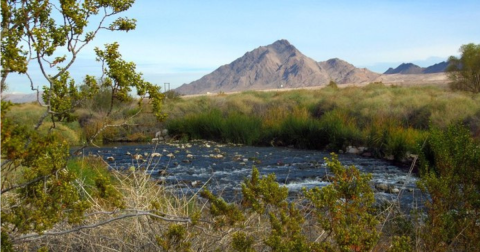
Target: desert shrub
x,y
401,244
242,242
451,177
322,107
274,113
96,180
172,95
332,84
419,118
343,209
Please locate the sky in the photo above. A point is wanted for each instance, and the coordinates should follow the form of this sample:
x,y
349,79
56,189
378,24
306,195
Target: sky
x,y
180,41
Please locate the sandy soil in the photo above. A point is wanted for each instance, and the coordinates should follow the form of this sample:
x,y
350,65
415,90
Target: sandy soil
x,y
439,79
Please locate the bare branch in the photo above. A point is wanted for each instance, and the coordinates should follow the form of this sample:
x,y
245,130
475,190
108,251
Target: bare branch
x,y
24,184
137,214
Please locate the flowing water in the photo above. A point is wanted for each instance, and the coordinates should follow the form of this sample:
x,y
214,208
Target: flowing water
x,y
186,168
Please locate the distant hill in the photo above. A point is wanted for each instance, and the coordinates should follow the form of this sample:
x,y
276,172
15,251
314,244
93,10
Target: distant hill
x,y
343,72
405,68
409,68
437,68
21,98
279,65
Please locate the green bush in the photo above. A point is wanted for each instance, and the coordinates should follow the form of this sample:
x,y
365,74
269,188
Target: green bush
x,y
450,172
344,207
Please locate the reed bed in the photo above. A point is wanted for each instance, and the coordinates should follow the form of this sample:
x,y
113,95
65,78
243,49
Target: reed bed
x,y
392,121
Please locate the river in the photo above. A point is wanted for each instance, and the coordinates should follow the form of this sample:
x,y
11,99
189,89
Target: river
x,y
186,167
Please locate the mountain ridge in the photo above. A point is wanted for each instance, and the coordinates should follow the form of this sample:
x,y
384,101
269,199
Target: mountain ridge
x,y
410,68
278,65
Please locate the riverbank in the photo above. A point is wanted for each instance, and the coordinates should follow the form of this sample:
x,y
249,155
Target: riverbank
x,y
389,122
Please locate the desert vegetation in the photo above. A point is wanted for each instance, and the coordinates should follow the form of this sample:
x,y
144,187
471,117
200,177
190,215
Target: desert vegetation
x,y
51,201
129,211
392,121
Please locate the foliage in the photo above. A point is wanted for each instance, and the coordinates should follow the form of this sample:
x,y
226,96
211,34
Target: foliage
x,y
344,208
451,176
400,244
332,84
45,191
242,243
239,128
174,239
38,189
464,72
263,195
225,213
234,127
389,121
258,193
340,130
172,95
120,77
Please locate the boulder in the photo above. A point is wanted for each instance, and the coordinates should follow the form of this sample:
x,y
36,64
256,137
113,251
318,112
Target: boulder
x,y
161,135
362,149
155,154
352,150
394,190
382,187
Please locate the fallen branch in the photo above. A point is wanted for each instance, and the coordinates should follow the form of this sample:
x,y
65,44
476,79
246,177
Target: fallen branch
x,y
30,237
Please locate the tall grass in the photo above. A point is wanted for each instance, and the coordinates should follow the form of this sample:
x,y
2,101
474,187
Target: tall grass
x,y
390,120
30,113
240,128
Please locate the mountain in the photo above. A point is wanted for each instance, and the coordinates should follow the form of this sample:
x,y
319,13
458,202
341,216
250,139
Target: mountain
x,y
409,68
343,72
405,68
437,68
21,97
279,65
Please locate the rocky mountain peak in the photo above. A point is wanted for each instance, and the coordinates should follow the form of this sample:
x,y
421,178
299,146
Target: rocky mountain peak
x,y
278,65
281,43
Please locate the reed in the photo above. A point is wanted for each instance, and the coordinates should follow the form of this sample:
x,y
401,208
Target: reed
x,y
390,120
241,128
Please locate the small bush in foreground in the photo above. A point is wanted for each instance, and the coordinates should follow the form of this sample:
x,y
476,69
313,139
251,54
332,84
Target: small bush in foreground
x,y
451,176
343,209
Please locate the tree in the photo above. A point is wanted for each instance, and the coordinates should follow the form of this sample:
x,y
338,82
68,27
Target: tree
x,y
37,189
464,72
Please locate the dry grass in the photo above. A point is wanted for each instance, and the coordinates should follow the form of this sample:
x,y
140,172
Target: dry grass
x,y
144,222
148,213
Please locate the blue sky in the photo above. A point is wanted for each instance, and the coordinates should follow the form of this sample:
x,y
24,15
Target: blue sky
x,y
180,41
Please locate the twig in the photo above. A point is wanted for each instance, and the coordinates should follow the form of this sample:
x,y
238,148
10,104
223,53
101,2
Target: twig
x,y
139,213
24,184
